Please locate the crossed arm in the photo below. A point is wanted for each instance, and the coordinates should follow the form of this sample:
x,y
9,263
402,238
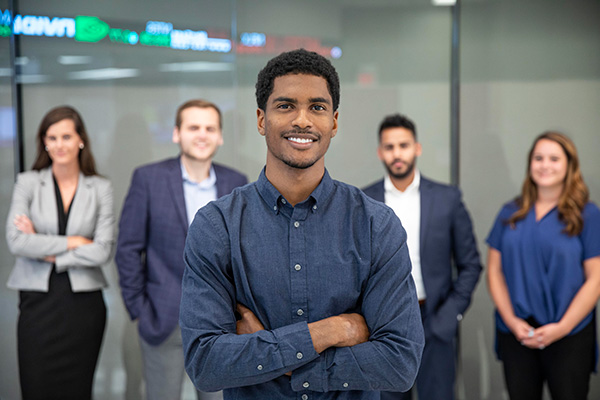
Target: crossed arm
x,y
66,251
344,330
24,224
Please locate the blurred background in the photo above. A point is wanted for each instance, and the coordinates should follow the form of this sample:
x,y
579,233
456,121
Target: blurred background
x,y
480,78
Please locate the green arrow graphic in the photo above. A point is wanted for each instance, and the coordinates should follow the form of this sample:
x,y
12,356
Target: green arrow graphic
x,y
90,29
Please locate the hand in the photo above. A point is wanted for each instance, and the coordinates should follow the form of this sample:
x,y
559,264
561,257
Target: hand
x,y
248,323
521,329
24,224
544,336
50,259
74,242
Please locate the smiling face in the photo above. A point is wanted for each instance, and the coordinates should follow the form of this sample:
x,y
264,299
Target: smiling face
x,y
63,141
199,134
548,166
398,150
298,122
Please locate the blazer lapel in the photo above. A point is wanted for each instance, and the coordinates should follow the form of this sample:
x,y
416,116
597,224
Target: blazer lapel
x,y
79,205
426,209
49,210
176,185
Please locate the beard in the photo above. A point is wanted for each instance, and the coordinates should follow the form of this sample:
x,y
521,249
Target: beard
x,y
410,167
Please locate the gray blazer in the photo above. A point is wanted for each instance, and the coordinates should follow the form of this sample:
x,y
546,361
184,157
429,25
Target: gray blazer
x,y
91,216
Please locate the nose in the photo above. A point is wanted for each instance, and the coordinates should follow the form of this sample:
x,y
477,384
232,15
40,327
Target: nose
x,y
302,120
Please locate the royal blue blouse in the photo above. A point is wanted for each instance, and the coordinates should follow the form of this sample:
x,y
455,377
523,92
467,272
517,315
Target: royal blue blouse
x,y
542,265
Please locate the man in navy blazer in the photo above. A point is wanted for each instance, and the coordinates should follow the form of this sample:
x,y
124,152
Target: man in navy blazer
x,y
162,201
442,249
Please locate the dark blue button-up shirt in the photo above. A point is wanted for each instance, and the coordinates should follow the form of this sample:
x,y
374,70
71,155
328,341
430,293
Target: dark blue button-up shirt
x,y
337,252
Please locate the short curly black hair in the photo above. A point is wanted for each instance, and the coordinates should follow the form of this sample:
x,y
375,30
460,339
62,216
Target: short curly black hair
x,y
298,61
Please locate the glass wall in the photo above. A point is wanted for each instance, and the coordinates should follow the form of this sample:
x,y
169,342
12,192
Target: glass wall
x,y
8,300
526,66
127,65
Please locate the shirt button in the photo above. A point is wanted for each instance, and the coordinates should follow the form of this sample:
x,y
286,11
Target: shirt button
x,y
296,224
304,397
297,267
274,208
459,317
299,356
259,367
315,207
300,311
305,385
345,384
283,201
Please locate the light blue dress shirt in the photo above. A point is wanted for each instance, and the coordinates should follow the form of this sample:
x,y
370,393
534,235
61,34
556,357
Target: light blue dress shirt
x,y
198,194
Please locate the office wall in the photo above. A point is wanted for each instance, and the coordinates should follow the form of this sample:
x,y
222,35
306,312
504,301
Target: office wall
x,y
130,119
526,66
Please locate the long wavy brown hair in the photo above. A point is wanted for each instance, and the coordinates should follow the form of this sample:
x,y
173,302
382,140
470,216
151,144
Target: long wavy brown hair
x,y
87,165
575,193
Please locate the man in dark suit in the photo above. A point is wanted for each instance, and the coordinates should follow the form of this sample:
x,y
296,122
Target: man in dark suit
x,y
162,201
440,236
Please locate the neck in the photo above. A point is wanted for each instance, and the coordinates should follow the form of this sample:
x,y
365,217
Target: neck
x,y
402,183
196,170
294,184
65,172
549,195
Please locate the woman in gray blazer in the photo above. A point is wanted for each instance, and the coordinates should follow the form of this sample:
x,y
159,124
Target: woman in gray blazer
x,y
60,227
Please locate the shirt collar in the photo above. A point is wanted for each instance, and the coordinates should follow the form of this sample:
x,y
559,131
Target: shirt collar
x,y
414,185
205,184
272,197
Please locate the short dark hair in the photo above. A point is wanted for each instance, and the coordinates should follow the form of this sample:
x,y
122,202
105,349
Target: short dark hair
x,y
297,62
199,103
87,165
397,121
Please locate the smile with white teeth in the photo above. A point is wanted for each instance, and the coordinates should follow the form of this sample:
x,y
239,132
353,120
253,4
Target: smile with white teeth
x,y
299,140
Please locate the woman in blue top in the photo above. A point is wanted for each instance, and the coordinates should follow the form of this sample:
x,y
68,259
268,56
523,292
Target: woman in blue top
x,y
544,276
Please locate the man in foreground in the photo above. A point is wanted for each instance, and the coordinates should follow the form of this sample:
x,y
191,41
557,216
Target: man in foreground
x,y
319,273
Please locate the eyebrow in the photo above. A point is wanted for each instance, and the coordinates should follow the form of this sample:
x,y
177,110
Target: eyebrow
x,y
294,101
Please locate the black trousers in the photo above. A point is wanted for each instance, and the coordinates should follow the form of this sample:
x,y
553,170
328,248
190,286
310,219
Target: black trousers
x,y
565,365
59,334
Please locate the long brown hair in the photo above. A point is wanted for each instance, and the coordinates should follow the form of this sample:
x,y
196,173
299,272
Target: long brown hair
x,y
87,165
575,193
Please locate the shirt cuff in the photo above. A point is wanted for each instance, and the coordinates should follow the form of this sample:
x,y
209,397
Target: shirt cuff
x,y
295,344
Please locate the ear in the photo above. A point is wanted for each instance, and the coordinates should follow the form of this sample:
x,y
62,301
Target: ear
x,y
379,152
220,141
260,121
418,149
335,124
176,136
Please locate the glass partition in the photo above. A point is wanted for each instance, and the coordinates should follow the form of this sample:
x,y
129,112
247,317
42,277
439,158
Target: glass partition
x,y
127,65
527,67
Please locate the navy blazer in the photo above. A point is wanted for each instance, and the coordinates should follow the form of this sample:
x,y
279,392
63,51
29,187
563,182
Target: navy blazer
x,y
152,233
446,239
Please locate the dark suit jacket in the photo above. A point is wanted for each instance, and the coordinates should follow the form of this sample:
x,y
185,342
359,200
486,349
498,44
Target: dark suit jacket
x,y
446,238
152,233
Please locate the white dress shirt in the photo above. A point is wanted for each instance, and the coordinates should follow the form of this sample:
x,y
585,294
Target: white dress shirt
x,y
407,206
